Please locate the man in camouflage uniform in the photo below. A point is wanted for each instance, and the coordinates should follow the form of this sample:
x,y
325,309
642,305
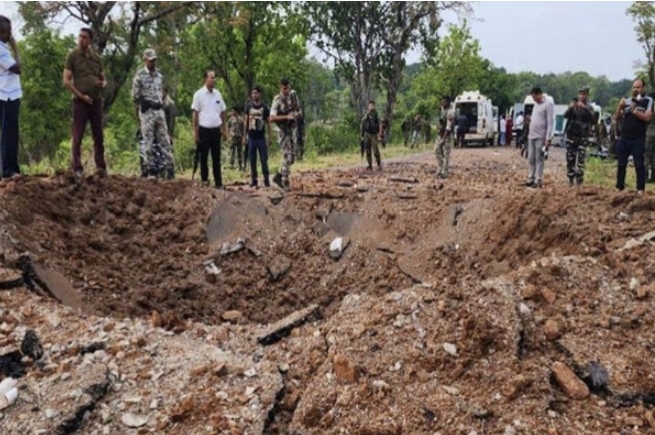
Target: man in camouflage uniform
x,y
285,110
579,122
443,146
650,149
235,136
370,131
147,95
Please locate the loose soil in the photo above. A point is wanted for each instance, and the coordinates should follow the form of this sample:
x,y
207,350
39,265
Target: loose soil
x,y
476,261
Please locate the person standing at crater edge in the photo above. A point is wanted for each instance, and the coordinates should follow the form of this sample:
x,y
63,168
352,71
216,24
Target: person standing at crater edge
x,y
84,76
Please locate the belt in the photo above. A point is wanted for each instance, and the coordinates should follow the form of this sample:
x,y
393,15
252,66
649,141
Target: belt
x,y
210,128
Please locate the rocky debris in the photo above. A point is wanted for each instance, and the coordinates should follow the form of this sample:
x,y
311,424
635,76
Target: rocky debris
x,y
634,243
553,329
31,346
282,328
57,285
232,316
598,376
278,267
10,279
345,370
213,377
211,271
411,180
338,246
134,421
230,248
569,382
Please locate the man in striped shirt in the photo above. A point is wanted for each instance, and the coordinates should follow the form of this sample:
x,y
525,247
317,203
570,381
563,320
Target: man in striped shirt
x,y
10,95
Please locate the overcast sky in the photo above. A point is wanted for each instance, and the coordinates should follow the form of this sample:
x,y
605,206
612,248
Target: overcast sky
x,y
596,37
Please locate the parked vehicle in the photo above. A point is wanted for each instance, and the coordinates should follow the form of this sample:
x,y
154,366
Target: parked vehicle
x,y
479,111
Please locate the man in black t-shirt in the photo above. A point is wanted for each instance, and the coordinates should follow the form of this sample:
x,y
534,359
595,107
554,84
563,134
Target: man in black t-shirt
x,y
634,114
255,125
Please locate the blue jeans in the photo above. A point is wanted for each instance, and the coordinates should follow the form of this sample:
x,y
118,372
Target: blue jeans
x,y
258,146
501,138
9,141
636,148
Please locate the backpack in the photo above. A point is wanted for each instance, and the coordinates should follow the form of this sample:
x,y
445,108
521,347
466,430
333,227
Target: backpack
x,y
372,124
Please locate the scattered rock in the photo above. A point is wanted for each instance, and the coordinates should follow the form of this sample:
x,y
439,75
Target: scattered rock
x,y
338,246
345,370
450,349
569,382
278,267
600,378
633,422
514,389
282,328
529,292
134,421
553,329
232,316
548,295
648,416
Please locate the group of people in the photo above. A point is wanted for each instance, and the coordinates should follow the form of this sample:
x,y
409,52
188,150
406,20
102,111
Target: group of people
x,y
632,114
84,77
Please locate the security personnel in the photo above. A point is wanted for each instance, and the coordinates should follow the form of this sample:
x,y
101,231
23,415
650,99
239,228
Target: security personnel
x,y
579,121
634,114
148,95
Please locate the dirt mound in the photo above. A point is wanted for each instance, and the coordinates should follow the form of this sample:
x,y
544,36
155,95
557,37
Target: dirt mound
x,y
453,307
133,246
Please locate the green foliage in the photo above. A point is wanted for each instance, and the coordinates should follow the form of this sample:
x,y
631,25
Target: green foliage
x,y
324,138
643,14
45,114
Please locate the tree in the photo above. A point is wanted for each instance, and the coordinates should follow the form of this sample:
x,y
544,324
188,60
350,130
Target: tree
x,y
117,27
350,35
246,43
368,41
455,67
643,14
46,109
409,24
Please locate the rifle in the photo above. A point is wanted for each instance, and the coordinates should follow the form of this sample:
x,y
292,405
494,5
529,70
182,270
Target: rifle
x,y
362,149
196,160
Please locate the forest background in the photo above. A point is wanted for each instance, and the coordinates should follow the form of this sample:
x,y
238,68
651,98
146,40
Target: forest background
x,y
359,52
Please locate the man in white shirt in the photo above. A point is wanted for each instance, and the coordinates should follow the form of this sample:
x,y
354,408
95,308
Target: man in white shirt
x,y
10,95
518,130
208,122
539,137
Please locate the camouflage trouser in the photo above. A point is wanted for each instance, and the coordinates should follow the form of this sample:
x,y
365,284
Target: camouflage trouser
x,y
236,152
153,126
288,147
650,150
372,149
575,158
442,151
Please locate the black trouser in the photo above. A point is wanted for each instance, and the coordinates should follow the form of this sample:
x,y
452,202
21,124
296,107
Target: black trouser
x,y
9,140
210,140
258,146
624,149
